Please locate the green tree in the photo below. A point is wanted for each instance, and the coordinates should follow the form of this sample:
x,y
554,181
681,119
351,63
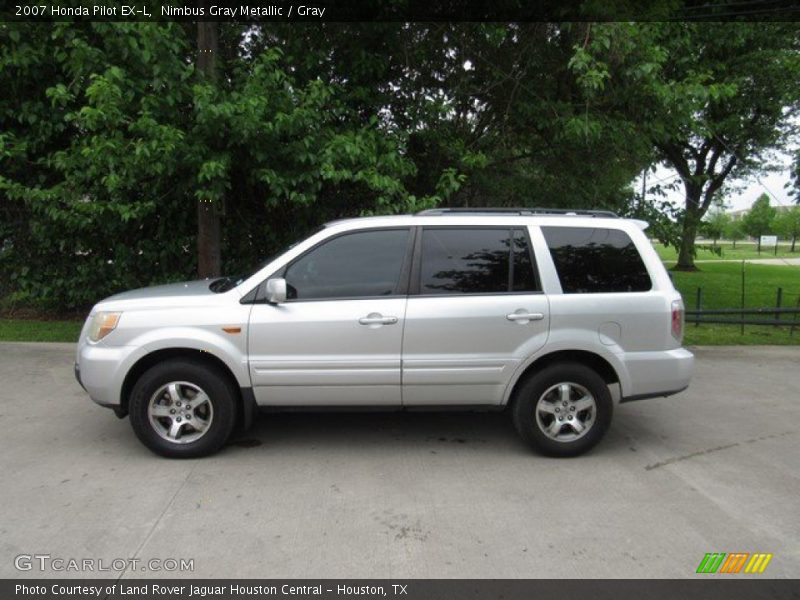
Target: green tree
x,y
787,224
113,143
507,109
741,87
109,140
713,98
760,219
716,224
793,185
735,231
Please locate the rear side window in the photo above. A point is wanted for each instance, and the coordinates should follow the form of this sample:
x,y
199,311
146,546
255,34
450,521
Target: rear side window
x,y
354,265
458,260
594,260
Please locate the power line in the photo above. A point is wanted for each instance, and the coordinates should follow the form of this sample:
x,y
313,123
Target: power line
x,y
743,13
732,4
663,179
739,8
757,178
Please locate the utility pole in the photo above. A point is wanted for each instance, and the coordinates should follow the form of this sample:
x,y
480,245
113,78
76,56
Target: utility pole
x,y
209,254
644,187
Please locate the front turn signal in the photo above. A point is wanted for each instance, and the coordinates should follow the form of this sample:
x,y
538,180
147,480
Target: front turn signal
x,y
103,323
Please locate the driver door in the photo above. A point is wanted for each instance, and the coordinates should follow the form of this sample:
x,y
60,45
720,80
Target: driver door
x,y
336,341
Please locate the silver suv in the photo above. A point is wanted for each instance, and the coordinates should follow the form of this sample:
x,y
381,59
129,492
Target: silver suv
x,y
554,316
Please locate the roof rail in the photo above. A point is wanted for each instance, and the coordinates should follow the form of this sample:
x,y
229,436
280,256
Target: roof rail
x,y
522,211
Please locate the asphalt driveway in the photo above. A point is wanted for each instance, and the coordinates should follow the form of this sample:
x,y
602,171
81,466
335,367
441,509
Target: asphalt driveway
x,y
396,495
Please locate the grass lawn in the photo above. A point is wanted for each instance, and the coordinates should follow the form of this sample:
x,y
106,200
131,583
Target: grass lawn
x,y
730,335
743,250
24,330
721,285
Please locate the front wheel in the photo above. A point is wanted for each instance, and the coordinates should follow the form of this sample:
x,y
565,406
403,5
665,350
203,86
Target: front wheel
x,y
564,410
182,409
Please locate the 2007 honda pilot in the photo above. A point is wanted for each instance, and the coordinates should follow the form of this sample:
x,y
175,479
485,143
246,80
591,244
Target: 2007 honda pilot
x,y
555,316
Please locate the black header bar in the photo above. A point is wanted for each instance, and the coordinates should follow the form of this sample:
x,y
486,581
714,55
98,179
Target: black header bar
x,y
316,11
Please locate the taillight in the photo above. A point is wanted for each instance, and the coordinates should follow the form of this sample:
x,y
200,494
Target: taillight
x,y
677,319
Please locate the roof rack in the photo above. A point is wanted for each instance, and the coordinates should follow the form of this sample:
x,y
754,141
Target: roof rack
x,y
522,211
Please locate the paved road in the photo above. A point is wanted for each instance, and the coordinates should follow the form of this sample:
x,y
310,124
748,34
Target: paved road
x,y
411,495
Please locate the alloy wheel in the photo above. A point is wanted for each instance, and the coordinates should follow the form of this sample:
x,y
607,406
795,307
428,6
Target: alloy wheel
x,y
180,412
566,412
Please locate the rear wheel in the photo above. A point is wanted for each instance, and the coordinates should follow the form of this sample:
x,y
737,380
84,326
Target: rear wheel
x,y
183,409
564,410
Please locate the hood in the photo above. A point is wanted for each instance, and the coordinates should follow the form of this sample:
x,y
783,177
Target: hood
x,y
170,290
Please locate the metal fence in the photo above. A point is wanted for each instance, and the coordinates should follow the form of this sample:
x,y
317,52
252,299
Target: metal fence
x,y
775,316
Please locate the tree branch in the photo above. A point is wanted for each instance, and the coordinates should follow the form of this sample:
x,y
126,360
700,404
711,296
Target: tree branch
x,y
674,155
716,182
700,157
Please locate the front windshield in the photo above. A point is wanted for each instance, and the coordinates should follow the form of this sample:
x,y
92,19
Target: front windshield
x,y
283,250
223,284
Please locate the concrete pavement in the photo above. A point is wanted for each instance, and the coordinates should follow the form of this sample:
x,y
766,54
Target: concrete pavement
x,y
395,495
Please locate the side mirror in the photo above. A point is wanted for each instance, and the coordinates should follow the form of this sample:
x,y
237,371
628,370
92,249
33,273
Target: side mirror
x,y
276,290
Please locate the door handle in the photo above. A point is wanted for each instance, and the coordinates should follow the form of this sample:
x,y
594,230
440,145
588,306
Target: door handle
x,y
524,317
377,319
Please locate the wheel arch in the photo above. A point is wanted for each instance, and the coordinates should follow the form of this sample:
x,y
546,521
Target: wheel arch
x,y
595,361
243,396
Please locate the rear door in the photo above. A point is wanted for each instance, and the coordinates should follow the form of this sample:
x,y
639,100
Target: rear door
x,y
605,288
475,311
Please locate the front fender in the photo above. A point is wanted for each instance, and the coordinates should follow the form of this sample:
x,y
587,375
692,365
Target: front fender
x,y
231,350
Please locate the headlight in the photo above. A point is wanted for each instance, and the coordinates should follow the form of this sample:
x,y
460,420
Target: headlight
x,y
103,323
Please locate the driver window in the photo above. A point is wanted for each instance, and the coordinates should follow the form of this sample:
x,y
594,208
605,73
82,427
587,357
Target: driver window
x,y
354,265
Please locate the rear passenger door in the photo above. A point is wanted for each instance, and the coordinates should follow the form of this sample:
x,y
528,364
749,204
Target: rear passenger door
x,y
474,312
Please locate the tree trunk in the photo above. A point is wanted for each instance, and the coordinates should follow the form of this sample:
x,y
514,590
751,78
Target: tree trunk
x,y
691,220
686,250
209,253
794,239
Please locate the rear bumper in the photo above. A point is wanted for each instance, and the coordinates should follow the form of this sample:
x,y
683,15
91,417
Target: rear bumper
x,y
657,374
652,395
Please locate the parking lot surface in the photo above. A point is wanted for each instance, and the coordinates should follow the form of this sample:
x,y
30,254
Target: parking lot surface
x,y
409,495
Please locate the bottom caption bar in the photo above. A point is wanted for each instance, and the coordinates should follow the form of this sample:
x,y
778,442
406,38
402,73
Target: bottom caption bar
x,y
410,589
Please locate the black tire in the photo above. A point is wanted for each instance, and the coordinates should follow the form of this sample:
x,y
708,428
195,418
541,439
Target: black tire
x,y
528,393
221,398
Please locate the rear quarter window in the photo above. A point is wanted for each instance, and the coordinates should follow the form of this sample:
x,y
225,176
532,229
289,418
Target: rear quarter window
x,y
596,260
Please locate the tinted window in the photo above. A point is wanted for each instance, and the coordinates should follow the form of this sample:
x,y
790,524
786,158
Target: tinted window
x,y
353,265
474,261
592,260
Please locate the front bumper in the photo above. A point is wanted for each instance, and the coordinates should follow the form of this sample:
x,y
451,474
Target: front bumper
x,y
101,369
78,375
